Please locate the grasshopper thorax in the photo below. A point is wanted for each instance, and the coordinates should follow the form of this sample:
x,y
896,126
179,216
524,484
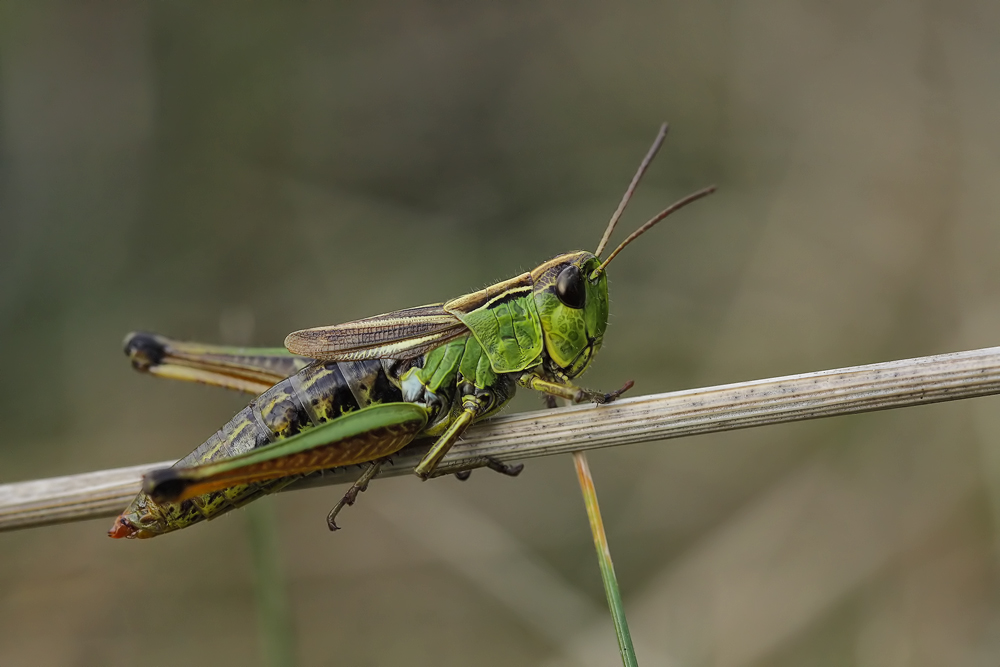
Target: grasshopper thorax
x,y
572,305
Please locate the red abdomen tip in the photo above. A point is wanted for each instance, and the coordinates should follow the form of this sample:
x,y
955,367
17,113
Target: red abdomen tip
x,y
122,528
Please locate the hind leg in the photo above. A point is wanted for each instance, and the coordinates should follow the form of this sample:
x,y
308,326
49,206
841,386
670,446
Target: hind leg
x,y
352,494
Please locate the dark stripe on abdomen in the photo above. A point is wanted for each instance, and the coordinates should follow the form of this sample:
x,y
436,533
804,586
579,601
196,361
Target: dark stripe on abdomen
x,y
318,393
369,383
241,434
323,391
281,411
323,387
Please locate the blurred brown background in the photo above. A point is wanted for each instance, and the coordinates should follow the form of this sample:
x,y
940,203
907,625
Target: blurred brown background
x,y
236,172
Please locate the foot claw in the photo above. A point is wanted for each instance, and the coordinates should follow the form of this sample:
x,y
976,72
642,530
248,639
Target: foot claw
x,y
504,468
352,494
607,398
463,475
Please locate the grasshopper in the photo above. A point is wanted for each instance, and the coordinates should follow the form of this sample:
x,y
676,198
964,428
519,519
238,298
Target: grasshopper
x,y
357,393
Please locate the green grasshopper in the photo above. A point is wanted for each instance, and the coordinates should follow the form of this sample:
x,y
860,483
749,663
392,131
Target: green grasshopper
x,y
357,393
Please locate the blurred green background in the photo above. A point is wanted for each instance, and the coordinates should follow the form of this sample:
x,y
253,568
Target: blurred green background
x,y
235,172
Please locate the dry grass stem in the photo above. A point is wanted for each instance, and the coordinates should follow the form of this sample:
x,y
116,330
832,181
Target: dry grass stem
x,y
842,391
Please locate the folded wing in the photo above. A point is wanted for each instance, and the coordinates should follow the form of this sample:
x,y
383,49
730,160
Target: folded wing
x,y
402,334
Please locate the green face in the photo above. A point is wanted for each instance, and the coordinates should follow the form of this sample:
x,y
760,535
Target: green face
x,y
573,309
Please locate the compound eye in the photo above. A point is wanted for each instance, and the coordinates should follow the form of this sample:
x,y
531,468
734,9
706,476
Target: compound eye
x,y
570,288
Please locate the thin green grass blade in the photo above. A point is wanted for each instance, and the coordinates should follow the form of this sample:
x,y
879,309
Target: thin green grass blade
x,y
604,560
274,620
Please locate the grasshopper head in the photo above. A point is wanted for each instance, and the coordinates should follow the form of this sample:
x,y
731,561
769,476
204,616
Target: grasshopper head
x,y
572,303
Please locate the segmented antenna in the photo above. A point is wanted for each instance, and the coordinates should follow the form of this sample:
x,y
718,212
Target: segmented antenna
x,y
694,196
660,136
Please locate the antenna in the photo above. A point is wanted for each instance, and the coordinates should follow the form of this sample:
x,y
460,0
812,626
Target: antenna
x,y
694,196
660,136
